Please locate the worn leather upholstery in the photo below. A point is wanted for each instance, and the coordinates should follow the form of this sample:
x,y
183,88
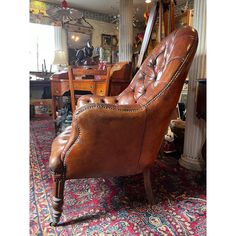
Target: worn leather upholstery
x,y
121,135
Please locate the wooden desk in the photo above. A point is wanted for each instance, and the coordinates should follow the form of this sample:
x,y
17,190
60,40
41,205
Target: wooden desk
x,y
60,85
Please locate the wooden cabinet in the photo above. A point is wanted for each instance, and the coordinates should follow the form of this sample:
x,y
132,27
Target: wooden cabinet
x,y
40,98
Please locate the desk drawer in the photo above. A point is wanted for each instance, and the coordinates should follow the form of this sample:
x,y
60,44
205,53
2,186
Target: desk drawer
x,y
84,85
95,87
101,89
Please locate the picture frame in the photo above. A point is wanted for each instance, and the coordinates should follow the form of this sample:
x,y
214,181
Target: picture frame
x,y
106,41
114,41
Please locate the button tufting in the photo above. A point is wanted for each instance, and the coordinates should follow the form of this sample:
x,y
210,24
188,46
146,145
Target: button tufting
x,y
151,63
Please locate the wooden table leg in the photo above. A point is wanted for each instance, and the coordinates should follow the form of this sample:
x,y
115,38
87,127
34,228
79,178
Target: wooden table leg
x,y
53,107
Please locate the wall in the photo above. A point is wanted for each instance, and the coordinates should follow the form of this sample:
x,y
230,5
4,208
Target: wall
x,y
101,28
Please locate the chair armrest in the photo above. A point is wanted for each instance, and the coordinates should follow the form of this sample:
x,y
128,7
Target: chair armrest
x,y
99,129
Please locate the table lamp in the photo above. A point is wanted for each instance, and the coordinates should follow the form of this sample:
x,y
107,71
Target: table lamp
x,y
60,60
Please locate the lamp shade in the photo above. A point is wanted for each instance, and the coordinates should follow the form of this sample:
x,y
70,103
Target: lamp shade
x,y
60,58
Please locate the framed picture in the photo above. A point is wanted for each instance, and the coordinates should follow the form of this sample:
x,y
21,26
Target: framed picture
x,y
106,41
114,41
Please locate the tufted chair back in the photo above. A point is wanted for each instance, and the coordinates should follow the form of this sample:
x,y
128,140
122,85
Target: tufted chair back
x,y
159,68
158,84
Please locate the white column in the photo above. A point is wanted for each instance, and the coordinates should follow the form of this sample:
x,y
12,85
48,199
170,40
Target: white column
x,y
60,36
195,129
126,30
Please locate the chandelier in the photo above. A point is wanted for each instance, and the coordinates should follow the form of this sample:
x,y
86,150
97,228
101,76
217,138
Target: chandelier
x,y
64,14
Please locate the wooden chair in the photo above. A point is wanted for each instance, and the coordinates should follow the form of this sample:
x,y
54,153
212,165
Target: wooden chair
x,y
117,77
94,73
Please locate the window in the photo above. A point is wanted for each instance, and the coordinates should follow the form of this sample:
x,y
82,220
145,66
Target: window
x,y
41,47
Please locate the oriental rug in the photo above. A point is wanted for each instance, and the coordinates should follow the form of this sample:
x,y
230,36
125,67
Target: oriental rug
x,y
114,206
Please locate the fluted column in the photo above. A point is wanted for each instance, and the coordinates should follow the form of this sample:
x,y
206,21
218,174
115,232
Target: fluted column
x,y
195,130
126,30
60,36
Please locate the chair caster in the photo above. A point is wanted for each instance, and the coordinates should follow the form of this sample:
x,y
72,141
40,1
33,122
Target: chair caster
x,y
54,224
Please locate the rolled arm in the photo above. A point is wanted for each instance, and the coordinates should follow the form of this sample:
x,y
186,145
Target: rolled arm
x,y
92,118
101,132
98,129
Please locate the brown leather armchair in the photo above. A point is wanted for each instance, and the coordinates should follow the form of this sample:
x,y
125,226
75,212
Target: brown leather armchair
x,y
121,135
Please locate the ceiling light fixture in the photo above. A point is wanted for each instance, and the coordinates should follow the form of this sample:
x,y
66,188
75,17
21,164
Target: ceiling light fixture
x,y
64,14
148,1
64,4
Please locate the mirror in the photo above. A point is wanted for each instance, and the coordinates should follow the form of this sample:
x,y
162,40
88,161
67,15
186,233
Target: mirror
x,y
76,41
77,38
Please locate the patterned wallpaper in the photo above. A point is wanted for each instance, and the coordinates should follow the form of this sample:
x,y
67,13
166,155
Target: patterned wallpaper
x,y
100,16
100,22
87,14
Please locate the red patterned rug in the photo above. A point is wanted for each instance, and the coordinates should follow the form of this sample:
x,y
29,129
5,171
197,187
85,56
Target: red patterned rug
x,y
114,206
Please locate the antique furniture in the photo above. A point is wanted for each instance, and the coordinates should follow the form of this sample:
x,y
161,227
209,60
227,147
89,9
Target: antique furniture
x,y
40,93
121,135
77,73
111,81
95,85
177,126
40,81
120,77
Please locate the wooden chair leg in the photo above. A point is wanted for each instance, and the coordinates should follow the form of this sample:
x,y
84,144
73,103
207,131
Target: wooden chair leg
x,y
148,186
58,195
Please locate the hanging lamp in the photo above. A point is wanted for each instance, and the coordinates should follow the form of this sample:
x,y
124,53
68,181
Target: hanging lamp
x,y
64,14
